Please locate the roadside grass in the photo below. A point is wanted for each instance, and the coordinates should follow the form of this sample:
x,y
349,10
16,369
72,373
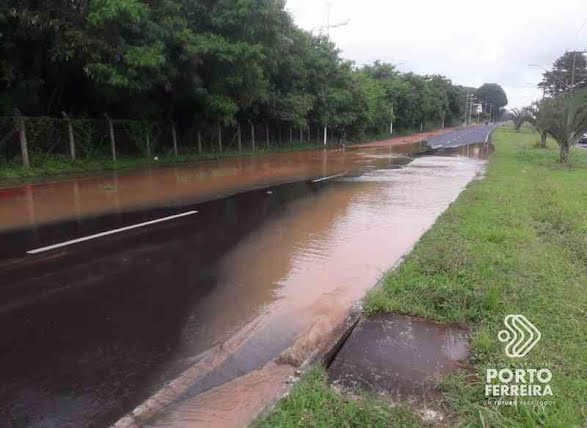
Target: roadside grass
x,y
312,403
514,242
43,165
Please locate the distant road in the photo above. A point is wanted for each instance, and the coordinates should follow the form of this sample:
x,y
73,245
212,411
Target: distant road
x,y
461,137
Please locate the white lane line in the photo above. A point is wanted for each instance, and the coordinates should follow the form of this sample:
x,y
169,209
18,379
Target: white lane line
x,y
329,177
109,232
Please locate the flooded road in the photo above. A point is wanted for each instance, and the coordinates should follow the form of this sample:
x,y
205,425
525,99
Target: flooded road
x,y
35,204
245,284
320,258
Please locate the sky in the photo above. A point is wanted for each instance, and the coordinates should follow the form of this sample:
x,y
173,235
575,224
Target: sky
x,y
469,42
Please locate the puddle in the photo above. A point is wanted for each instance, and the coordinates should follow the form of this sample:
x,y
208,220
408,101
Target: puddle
x,y
398,355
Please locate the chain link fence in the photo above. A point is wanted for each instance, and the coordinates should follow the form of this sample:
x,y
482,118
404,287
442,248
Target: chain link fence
x,y
24,137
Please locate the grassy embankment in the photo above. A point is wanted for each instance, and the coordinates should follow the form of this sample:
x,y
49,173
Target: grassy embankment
x,y
515,242
48,165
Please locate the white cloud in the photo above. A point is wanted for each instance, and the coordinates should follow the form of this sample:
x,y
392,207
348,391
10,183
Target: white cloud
x,y
471,43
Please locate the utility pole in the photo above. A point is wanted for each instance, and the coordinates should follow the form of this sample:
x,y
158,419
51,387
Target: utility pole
x,y
328,27
469,111
466,105
574,66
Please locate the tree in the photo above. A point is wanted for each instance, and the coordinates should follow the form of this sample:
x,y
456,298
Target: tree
x,y
569,72
201,64
492,93
537,118
566,120
518,116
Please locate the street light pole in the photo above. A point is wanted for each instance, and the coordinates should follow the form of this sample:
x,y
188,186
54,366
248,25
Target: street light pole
x,y
574,66
470,107
466,105
328,27
565,85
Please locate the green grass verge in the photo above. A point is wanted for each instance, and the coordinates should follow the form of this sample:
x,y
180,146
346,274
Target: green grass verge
x,y
515,242
312,403
51,165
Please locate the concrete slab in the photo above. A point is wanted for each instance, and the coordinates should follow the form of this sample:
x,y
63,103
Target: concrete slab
x,y
399,355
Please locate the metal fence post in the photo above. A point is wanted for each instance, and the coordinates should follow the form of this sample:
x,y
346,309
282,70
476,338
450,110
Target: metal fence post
x,y
112,140
219,137
71,137
24,149
148,142
174,136
252,135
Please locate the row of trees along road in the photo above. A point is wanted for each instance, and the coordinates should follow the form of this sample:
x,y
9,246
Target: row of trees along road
x,y
562,112
203,65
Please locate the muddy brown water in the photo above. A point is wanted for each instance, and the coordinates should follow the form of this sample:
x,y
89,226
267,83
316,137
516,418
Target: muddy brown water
x,y
33,204
399,355
92,330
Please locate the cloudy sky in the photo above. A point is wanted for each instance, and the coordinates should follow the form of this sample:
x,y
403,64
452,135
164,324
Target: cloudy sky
x,y
467,41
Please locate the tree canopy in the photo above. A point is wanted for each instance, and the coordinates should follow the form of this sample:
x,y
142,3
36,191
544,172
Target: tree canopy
x,y
565,118
492,93
568,72
203,63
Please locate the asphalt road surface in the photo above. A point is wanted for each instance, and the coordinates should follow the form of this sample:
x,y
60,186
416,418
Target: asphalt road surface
x,y
461,137
88,327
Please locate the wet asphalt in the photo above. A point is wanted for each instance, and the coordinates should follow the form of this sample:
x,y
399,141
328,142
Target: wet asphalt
x,y
88,328
85,328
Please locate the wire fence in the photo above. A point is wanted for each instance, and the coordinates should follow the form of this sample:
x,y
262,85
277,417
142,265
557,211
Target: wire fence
x,y
26,137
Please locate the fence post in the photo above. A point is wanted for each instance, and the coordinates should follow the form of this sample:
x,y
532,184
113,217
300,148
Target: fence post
x,y
148,142
199,142
219,137
240,142
71,137
24,149
174,136
252,135
112,140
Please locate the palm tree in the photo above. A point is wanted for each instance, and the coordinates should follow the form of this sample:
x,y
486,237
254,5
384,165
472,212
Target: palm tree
x,y
519,116
537,118
565,118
